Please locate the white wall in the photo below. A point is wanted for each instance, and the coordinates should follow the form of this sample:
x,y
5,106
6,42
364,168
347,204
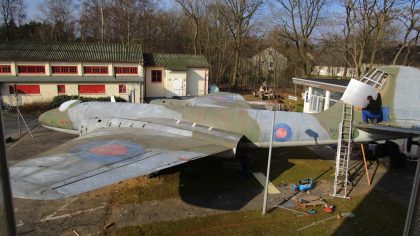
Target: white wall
x,y
49,90
172,76
154,89
197,81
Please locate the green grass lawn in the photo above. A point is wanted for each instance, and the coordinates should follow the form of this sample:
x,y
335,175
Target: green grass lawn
x,y
375,215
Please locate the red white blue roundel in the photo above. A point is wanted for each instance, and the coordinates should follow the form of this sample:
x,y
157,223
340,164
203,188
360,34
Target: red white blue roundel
x,y
281,132
107,151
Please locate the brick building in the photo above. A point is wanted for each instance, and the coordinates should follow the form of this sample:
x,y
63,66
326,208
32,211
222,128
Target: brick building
x,y
40,71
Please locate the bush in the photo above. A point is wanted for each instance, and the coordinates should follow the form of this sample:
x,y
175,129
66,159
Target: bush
x,y
36,107
58,100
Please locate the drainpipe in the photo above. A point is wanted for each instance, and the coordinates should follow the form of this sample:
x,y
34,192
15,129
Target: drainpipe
x,y
206,82
143,86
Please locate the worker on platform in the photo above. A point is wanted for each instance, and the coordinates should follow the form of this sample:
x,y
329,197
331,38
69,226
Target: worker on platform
x,y
373,110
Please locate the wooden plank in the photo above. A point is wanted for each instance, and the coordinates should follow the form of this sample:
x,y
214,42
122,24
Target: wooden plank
x,y
261,179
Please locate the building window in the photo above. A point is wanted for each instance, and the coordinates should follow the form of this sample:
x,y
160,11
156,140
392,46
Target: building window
x,y
31,69
122,88
64,69
5,69
25,89
156,76
126,70
317,103
317,100
61,89
92,89
334,97
95,69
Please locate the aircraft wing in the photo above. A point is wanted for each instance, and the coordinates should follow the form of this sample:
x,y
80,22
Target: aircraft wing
x,y
109,155
389,129
221,99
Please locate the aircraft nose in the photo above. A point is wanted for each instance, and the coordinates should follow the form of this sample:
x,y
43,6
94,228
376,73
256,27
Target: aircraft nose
x,y
56,118
43,119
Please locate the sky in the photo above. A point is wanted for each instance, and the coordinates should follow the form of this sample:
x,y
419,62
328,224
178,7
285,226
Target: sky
x,y
32,9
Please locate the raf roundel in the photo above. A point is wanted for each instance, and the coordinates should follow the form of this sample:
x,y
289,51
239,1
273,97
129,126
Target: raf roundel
x,y
282,132
107,151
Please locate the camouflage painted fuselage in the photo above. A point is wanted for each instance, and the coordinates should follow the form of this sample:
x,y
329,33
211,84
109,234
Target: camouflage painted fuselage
x,y
290,128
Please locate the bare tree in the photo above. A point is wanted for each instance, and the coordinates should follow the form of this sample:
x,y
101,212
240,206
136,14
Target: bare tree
x,y
90,27
410,18
125,13
217,44
11,10
382,17
366,24
60,14
298,20
348,6
238,15
194,10
147,11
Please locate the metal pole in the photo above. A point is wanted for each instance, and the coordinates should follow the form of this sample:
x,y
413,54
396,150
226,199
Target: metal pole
x,y
413,207
17,107
7,218
24,122
269,164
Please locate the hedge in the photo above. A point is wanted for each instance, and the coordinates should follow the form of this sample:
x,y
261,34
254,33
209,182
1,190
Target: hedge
x,y
58,100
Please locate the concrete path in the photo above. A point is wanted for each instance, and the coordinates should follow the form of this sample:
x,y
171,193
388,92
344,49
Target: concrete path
x,y
11,127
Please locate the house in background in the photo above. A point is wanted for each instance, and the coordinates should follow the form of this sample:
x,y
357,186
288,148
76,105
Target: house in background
x,y
169,75
268,65
320,94
40,71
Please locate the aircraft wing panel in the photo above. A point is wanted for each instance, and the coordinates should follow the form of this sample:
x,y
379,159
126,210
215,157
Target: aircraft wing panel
x,y
389,129
105,157
221,99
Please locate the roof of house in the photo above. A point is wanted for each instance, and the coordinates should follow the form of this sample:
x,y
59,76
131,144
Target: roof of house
x,y
335,85
70,52
176,62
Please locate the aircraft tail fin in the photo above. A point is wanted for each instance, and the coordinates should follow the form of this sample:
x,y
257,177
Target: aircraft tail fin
x,y
398,87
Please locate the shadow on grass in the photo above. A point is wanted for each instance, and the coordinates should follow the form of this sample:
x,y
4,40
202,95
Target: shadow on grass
x,y
383,210
220,183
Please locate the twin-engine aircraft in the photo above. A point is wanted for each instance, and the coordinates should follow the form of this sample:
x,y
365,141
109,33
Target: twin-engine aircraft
x,y
119,141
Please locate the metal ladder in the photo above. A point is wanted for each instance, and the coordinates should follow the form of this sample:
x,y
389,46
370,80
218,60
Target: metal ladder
x,y
375,78
344,149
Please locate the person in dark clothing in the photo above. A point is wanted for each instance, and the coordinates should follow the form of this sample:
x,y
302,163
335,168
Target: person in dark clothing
x,y
373,110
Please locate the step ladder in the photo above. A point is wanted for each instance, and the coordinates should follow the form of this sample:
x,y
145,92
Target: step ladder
x,y
375,78
344,148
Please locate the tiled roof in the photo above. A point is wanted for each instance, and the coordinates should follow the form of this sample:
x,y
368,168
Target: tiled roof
x,y
176,62
70,52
